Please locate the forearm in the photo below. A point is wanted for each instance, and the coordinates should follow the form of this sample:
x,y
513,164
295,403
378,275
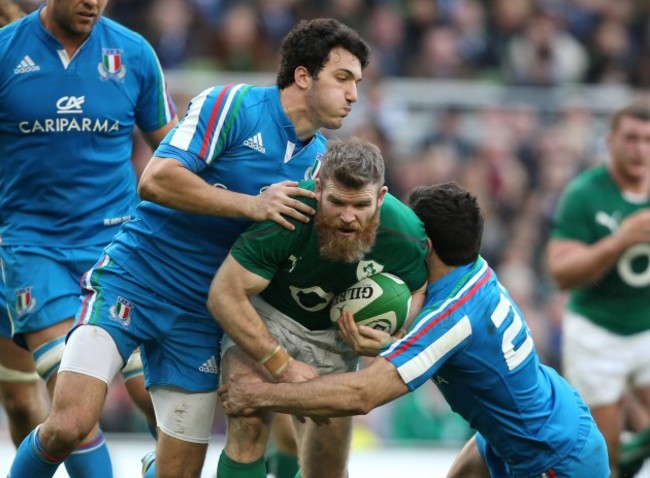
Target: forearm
x,y
241,322
168,183
323,397
574,265
339,394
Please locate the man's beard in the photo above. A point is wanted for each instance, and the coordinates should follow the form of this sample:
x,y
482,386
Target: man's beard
x,y
339,248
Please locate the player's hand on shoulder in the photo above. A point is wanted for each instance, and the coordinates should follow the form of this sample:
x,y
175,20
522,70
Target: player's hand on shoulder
x,y
279,202
362,339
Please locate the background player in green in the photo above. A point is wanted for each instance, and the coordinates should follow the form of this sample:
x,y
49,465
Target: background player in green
x,y
358,230
600,250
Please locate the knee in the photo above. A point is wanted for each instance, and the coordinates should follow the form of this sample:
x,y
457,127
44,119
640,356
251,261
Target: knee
x,y
63,433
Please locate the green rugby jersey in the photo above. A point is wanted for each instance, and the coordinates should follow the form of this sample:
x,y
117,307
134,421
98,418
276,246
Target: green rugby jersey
x,y
592,207
303,283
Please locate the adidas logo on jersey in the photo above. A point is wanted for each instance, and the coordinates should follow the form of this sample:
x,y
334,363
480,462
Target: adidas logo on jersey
x,y
26,65
210,366
256,143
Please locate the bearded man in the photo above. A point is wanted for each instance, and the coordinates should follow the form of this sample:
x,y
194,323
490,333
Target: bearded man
x,y
272,294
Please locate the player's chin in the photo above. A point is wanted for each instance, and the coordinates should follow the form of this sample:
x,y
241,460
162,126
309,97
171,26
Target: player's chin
x,y
335,122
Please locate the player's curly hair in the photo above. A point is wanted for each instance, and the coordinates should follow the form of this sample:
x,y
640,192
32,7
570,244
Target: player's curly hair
x,y
9,12
309,45
452,220
353,162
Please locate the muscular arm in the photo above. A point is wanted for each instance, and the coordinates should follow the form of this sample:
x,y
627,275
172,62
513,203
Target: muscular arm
x,y
574,263
339,394
229,303
167,182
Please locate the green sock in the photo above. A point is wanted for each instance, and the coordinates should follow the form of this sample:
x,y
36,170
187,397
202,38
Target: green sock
x,y
282,465
228,468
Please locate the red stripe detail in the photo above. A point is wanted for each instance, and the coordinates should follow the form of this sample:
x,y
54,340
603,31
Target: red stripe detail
x,y
98,439
444,315
551,474
86,299
213,117
52,458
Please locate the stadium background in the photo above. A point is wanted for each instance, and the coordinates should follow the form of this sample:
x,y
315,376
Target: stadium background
x,y
510,98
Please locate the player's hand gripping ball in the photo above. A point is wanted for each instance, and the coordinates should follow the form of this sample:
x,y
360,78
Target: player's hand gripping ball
x,y
381,301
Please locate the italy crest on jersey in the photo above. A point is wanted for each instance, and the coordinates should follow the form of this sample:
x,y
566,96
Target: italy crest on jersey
x,y
313,171
111,66
121,311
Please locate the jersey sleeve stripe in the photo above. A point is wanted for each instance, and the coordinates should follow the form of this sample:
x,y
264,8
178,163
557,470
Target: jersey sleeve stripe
x,y
434,317
427,358
185,131
213,117
166,107
228,114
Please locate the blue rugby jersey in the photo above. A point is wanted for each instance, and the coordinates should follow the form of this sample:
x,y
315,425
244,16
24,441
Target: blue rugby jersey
x,y
235,137
66,131
471,340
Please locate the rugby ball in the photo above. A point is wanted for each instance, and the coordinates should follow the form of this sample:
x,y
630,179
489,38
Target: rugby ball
x,y
381,301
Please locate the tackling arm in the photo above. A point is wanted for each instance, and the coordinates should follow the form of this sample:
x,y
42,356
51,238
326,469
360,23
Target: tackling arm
x,y
339,394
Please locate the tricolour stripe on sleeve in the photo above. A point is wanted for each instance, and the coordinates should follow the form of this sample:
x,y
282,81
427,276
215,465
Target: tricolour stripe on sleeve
x,y
427,358
226,119
431,319
166,109
183,134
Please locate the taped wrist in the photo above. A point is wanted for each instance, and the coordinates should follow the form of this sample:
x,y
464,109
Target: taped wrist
x,y
277,361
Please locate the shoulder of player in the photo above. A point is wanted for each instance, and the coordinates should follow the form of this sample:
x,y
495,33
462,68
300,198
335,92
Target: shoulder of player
x,y
14,31
595,178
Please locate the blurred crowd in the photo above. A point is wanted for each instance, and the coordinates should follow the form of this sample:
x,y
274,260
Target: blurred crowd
x,y
515,156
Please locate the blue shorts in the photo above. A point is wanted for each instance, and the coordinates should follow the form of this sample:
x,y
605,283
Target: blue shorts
x,y
180,347
588,457
5,323
42,285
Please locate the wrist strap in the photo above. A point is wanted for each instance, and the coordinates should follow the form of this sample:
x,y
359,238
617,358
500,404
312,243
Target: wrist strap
x,y
277,361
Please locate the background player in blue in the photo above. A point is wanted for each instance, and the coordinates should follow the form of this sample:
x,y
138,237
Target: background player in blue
x,y
20,386
227,163
73,87
472,342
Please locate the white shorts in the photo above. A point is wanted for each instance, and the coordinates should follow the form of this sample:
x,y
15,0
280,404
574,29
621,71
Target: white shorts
x,y
602,365
323,349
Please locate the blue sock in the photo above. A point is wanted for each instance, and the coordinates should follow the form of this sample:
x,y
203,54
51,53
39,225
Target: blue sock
x,y
31,461
90,460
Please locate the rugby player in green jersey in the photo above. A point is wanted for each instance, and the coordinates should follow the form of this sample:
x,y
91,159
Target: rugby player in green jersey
x,y
272,295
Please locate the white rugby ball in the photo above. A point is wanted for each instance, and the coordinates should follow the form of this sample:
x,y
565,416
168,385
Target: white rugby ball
x,y
381,301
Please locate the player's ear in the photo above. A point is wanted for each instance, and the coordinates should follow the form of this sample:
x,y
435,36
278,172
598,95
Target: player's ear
x,y
319,188
381,195
302,78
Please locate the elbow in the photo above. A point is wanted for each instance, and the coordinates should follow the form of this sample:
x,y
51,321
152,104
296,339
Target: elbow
x,y
146,188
